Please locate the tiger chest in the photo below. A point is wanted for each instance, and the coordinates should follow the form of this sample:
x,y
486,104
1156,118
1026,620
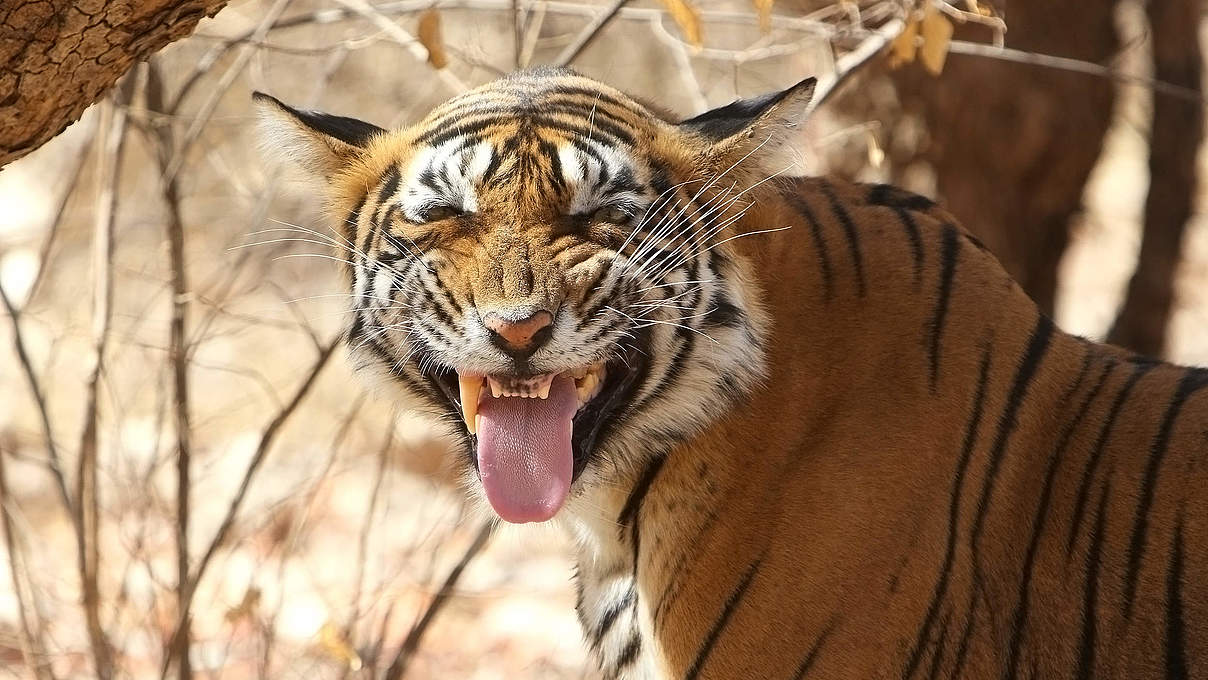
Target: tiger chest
x,y
615,624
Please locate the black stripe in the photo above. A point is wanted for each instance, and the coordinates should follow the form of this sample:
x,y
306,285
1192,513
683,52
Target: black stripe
x,y
1100,445
630,653
812,655
630,512
354,216
723,313
1176,636
611,614
387,191
1023,602
1193,380
954,500
640,488
937,659
916,241
948,251
547,149
718,626
962,647
1037,346
801,206
1090,596
678,579
894,197
471,127
853,236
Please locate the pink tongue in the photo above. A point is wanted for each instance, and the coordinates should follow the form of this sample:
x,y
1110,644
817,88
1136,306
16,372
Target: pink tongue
x,y
524,454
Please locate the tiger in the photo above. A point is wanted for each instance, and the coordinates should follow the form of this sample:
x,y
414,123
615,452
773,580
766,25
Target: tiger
x,y
791,426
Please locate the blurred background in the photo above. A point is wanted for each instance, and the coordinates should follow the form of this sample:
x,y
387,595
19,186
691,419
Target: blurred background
x,y
172,310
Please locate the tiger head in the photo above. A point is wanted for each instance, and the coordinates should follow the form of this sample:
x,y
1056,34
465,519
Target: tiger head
x,y
549,266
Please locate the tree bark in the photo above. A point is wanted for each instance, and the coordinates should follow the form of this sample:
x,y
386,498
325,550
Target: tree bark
x,y
1012,145
1178,128
59,56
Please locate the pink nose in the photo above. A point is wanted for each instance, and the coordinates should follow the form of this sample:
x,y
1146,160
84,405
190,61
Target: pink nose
x,y
518,335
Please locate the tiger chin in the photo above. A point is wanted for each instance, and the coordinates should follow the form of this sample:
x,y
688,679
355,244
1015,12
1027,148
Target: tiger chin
x,y
796,427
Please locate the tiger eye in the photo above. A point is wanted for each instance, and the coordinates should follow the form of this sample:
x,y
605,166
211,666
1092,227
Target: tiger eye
x,y
440,212
612,214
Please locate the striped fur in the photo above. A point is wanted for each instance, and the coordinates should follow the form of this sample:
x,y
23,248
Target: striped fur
x,y
851,448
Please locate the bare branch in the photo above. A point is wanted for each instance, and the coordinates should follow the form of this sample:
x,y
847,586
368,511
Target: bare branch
x,y
33,649
35,388
228,521
403,658
111,140
589,33
851,62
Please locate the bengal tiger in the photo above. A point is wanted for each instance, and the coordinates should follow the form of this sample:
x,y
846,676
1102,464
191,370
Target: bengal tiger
x,y
794,427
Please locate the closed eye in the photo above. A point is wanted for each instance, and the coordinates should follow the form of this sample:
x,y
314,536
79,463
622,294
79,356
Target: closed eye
x,y
438,212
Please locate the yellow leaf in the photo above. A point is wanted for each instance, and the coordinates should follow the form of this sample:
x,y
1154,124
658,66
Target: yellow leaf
x,y
332,642
764,9
904,47
937,34
429,37
687,18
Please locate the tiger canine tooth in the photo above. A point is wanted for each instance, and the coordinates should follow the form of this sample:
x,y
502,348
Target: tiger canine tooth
x,y
541,385
470,387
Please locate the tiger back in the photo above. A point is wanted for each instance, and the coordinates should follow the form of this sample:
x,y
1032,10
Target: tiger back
x,y
795,427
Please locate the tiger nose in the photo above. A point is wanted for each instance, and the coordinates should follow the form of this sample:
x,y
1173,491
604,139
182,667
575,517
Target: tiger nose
x,y
519,336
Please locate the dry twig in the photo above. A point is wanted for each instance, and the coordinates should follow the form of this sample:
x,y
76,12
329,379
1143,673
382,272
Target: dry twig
x,y
589,33
411,643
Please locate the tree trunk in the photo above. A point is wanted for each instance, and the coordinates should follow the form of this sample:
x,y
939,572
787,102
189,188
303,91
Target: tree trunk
x,y
1173,144
1012,145
59,56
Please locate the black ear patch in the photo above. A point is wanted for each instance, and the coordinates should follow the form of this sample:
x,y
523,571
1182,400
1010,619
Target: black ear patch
x,y
347,130
725,121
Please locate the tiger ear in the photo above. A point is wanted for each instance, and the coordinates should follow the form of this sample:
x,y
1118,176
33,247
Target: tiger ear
x,y
746,123
320,143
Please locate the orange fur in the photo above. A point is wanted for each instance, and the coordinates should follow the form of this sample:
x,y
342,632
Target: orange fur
x,y
882,462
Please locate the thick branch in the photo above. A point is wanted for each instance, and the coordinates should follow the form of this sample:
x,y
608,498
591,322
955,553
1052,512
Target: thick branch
x,y
59,56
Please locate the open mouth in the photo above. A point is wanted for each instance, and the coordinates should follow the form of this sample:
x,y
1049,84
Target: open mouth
x,y
532,435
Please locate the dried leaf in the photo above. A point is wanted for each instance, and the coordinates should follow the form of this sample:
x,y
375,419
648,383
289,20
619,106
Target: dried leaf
x,y
876,155
246,608
937,35
332,642
764,9
687,18
904,47
429,37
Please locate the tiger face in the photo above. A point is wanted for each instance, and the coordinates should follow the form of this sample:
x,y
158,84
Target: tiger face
x,y
546,264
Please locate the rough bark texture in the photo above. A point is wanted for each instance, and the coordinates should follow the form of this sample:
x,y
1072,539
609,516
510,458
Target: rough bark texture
x,y
59,56
1012,145
1174,142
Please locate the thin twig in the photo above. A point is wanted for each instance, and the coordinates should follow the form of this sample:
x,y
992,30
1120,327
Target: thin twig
x,y
33,648
217,90
531,33
851,62
52,233
178,361
111,140
267,438
1076,66
589,33
53,463
411,643
376,17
